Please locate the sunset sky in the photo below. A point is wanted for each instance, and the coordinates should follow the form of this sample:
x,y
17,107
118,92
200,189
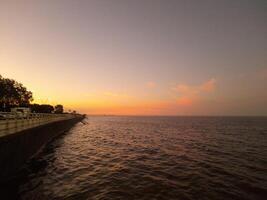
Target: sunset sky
x,y
139,57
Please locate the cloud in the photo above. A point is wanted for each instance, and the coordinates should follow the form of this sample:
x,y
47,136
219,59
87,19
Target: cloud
x,y
184,101
188,94
208,86
151,84
187,90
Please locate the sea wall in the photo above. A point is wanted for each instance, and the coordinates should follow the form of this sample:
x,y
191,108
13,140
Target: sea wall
x,y
17,148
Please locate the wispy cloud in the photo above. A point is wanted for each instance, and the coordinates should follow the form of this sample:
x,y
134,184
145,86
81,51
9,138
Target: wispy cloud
x,y
151,84
208,86
188,94
184,101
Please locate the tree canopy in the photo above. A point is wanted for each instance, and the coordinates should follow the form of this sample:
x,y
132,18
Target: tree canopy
x,y
59,109
13,93
43,108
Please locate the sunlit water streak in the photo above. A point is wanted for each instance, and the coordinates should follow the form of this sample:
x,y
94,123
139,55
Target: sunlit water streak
x,y
153,158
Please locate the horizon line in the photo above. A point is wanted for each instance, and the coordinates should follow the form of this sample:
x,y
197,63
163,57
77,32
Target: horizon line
x,y
129,115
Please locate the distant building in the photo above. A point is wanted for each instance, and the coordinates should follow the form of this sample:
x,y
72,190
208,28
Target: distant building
x,y
21,112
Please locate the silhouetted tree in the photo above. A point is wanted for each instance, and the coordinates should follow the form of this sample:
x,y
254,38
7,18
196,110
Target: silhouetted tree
x,y
35,108
43,108
59,109
13,94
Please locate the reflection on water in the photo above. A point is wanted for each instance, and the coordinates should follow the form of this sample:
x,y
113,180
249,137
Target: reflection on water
x,y
153,158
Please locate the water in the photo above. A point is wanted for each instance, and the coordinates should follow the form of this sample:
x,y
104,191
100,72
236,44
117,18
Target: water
x,y
153,158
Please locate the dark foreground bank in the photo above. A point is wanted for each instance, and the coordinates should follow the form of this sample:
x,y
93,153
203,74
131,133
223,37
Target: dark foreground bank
x,y
17,148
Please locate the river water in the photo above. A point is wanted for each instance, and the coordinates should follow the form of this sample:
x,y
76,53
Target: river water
x,y
153,158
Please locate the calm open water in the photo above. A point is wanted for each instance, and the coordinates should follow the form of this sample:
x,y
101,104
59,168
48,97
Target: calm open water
x,y
153,158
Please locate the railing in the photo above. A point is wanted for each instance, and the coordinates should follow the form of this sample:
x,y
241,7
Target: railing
x,y
11,123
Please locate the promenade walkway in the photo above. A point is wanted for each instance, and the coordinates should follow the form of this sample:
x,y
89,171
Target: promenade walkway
x,y
12,124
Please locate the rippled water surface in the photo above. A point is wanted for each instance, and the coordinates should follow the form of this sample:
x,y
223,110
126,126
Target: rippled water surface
x,y
153,158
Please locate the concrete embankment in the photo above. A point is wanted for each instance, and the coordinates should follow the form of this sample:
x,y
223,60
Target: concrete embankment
x,y
17,148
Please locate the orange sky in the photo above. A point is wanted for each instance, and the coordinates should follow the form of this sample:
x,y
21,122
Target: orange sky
x,y
138,58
